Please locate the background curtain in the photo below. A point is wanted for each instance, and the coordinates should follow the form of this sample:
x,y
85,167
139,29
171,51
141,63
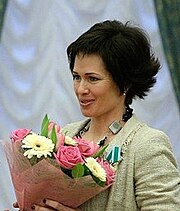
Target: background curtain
x,y
168,14
35,78
3,4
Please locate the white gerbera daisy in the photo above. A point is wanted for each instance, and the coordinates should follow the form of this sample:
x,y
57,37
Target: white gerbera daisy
x,y
37,145
96,168
69,141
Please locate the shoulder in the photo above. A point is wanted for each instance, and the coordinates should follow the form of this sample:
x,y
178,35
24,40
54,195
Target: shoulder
x,y
153,144
142,135
147,143
150,136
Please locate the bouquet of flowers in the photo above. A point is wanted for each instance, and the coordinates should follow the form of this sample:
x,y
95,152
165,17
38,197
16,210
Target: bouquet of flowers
x,y
55,166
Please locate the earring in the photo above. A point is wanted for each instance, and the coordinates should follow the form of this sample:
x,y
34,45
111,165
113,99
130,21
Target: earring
x,y
125,92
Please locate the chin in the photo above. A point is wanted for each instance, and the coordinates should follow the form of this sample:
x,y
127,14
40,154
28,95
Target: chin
x,y
86,114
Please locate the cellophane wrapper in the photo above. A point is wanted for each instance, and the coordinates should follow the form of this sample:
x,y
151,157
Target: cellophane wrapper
x,y
46,180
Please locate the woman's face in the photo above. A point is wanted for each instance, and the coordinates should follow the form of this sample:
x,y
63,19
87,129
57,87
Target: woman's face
x,y
97,93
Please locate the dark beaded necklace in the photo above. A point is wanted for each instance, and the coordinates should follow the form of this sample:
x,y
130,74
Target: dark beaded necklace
x,y
114,127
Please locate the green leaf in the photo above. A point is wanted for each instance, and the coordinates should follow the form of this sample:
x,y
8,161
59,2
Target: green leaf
x,y
44,126
101,152
67,171
78,171
86,170
45,119
98,181
53,135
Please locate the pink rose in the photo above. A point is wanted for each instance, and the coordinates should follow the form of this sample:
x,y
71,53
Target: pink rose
x,y
68,156
19,134
87,148
110,171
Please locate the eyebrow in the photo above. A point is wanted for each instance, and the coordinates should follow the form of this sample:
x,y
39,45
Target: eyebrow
x,y
89,73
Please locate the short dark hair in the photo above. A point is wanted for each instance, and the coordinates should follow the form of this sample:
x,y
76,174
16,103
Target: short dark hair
x,y
126,53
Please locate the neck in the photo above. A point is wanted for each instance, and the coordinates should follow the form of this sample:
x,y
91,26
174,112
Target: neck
x,y
98,128
100,124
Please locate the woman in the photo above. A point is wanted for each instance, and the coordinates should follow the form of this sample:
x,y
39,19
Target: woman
x,y
111,65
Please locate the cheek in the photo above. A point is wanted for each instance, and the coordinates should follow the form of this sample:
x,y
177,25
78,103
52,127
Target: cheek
x,y
109,97
104,93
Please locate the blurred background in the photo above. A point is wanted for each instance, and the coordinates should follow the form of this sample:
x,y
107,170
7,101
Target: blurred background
x,y
34,74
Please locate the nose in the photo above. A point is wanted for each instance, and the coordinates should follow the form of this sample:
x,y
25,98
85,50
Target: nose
x,y
82,87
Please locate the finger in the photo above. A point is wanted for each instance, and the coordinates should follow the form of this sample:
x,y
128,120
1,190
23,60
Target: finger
x,y
15,205
40,208
57,206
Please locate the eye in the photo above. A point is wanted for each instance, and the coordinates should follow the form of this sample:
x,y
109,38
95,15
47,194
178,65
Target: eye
x,y
76,77
93,79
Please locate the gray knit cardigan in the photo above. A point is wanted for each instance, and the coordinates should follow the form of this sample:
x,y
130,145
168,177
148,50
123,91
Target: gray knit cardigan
x,y
147,178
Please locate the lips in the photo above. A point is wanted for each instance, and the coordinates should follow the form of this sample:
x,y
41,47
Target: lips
x,y
86,102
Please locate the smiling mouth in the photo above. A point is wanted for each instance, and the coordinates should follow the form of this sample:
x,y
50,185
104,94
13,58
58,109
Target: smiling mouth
x,y
86,102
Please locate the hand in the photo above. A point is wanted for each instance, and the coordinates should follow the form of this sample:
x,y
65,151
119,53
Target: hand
x,y
52,205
